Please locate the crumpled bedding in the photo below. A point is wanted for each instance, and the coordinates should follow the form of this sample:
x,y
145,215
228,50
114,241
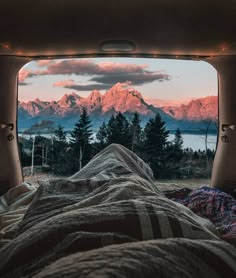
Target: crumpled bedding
x,y
213,204
111,220
150,259
13,206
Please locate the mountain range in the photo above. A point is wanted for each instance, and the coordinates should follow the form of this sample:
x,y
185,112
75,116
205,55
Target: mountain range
x,y
100,107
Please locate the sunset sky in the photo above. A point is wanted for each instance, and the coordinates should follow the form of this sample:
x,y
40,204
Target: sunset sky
x,y
153,78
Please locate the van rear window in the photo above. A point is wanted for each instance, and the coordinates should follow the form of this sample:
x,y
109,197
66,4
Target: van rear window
x,y
164,110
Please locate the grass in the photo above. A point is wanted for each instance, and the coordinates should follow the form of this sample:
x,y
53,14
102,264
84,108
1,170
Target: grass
x,y
163,184
176,184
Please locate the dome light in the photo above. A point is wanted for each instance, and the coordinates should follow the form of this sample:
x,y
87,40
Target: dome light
x,y
117,46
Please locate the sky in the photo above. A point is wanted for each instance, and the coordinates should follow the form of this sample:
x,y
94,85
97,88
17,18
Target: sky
x,y
162,79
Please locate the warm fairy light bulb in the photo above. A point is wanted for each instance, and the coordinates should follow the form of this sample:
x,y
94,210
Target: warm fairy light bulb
x,y
4,45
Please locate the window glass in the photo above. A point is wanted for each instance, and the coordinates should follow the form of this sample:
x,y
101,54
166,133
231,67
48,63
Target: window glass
x,y
163,110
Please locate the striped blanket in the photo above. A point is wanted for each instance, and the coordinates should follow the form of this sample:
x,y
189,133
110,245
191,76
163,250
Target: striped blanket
x,y
110,220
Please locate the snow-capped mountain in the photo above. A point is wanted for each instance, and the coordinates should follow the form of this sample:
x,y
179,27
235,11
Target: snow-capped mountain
x,y
196,110
118,99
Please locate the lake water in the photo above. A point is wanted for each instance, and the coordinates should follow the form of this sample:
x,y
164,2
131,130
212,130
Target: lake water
x,y
193,141
197,141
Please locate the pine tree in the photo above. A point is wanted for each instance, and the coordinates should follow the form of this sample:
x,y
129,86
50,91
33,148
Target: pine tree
x,y
111,130
178,145
60,155
136,132
101,137
155,142
118,130
81,140
60,134
173,155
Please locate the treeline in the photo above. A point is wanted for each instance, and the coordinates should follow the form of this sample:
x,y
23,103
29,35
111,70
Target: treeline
x,y
168,159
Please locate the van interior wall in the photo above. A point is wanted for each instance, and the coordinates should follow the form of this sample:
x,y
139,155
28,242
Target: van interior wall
x,y
10,166
223,174
224,167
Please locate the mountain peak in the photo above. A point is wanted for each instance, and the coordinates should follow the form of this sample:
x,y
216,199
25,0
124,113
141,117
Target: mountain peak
x,y
94,95
196,110
38,101
75,95
119,87
68,100
123,99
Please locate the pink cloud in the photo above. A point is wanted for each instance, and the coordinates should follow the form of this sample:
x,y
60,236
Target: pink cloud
x,y
44,63
23,74
80,67
104,73
111,67
86,67
65,83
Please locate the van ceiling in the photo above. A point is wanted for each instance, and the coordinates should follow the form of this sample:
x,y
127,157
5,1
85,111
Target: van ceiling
x,y
78,27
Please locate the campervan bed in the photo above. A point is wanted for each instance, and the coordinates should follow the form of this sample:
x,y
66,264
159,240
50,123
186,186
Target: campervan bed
x,y
111,219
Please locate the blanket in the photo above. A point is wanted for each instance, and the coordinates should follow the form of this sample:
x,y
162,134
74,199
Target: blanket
x,y
213,204
111,220
13,206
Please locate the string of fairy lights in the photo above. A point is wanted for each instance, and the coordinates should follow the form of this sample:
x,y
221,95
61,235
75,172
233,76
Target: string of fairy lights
x,y
12,51
221,51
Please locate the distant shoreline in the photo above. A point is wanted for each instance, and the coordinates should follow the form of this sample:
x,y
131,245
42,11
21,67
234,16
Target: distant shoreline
x,y
186,131
196,132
